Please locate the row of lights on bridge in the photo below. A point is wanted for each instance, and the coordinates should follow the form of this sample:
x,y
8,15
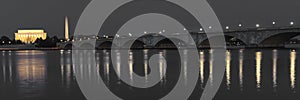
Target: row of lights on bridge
x,y
256,25
201,29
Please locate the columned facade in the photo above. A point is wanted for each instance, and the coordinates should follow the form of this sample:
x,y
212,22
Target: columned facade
x,y
30,36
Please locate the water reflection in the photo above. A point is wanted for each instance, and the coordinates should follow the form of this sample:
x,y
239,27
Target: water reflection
x,y
274,69
3,66
211,61
258,69
31,71
66,67
107,65
228,59
146,64
241,59
292,69
118,64
185,65
131,67
28,69
202,67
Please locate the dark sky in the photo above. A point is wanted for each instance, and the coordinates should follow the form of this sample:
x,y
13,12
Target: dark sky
x,y
49,14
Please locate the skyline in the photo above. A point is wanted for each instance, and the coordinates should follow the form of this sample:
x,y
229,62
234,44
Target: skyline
x,y
50,14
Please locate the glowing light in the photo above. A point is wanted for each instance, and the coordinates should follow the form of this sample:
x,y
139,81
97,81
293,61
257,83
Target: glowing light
x,y
257,25
258,69
292,23
131,66
228,59
240,25
292,68
201,29
227,27
202,67
241,59
274,68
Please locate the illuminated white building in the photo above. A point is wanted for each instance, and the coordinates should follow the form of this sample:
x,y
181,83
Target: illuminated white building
x,y
30,35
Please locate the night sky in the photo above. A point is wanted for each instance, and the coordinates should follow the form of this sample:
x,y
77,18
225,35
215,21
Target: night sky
x,y
49,14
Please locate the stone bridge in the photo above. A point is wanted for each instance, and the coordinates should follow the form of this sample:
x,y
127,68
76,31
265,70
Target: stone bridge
x,y
245,37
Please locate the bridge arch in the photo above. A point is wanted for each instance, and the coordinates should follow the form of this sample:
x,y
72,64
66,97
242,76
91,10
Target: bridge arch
x,y
87,45
68,46
279,38
170,43
106,45
230,41
134,44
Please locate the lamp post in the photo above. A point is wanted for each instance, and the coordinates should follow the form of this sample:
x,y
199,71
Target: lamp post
x,y
273,23
240,26
227,27
257,25
201,29
292,23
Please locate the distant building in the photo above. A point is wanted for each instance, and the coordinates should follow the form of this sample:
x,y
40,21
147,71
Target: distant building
x,y
30,35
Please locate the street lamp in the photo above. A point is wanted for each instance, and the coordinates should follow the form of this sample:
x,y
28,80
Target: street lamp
x,y
201,29
257,25
210,27
240,25
227,27
291,23
273,23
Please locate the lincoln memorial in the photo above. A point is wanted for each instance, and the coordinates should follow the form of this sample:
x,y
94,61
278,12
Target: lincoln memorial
x,y
30,35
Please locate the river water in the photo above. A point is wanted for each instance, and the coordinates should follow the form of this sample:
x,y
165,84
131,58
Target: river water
x,y
249,74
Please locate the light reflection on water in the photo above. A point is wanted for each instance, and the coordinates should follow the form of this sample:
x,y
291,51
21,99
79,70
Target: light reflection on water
x,y
241,64
228,60
211,61
202,67
29,68
31,71
292,69
258,69
228,72
274,69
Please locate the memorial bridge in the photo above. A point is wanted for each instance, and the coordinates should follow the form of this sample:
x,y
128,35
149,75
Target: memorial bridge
x,y
248,37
